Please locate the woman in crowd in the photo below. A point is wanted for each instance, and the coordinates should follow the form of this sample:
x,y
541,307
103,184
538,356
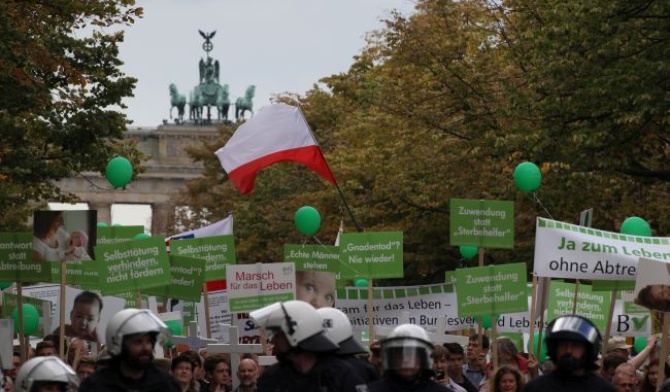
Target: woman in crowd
x,y
506,379
182,371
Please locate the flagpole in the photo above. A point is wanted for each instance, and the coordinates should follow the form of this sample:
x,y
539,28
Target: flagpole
x,y
346,205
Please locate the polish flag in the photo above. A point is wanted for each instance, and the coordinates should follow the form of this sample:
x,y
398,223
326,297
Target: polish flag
x,y
278,133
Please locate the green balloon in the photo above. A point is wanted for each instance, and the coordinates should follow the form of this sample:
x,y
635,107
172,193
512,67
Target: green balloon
x,y
4,285
307,220
361,282
527,177
640,344
117,224
141,236
468,252
175,330
102,224
119,172
31,319
486,321
636,226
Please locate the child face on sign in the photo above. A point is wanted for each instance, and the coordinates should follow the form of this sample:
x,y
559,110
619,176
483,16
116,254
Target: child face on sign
x,y
76,239
84,318
317,288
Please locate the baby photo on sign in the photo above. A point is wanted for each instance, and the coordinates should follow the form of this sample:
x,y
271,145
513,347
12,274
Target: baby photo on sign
x,y
64,235
652,285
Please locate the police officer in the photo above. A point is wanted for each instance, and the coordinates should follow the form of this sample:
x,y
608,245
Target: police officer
x,y
131,336
304,353
45,374
339,331
407,362
573,343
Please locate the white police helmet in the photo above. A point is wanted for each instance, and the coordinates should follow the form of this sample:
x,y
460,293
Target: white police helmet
x,y
299,321
45,370
133,322
338,330
407,346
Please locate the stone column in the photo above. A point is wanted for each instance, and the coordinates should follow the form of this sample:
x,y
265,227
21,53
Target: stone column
x,y
104,211
159,218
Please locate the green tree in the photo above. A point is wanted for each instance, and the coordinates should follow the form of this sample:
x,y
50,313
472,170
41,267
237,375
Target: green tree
x,y
61,84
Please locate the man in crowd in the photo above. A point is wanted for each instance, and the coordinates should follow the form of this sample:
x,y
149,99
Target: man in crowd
x,y
610,362
45,348
455,367
217,373
85,367
625,379
247,372
476,358
573,344
130,339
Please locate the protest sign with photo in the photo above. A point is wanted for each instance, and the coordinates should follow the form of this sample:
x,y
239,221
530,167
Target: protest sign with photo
x,y
371,255
568,251
652,285
316,270
482,223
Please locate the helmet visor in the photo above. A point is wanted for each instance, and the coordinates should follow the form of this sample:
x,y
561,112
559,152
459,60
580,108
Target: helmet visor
x,y
575,327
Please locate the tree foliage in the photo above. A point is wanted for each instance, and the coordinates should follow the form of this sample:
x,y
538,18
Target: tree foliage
x,y
61,84
446,102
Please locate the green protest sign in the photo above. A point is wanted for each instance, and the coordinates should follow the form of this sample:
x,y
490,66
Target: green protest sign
x,y
592,305
610,285
114,234
317,258
482,223
217,251
494,289
187,278
371,255
16,263
132,265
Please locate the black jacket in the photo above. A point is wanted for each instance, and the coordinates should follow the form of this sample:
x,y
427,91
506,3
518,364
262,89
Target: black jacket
x,y
389,383
109,379
330,374
556,382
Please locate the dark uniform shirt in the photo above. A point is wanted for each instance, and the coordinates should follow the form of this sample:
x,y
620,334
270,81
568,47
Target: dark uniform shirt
x,y
389,383
329,374
109,379
557,382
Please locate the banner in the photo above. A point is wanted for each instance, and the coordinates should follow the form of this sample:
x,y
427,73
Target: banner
x,y
482,223
252,286
133,265
492,289
567,251
217,251
16,263
371,255
187,276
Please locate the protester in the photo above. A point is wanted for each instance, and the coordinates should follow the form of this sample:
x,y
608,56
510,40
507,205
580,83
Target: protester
x,y
198,368
610,362
218,375
45,348
131,336
248,372
476,358
573,344
16,365
6,383
625,379
304,353
85,367
508,354
617,345
440,365
506,379
182,371
338,329
650,378
376,356
455,367
407,361
45,374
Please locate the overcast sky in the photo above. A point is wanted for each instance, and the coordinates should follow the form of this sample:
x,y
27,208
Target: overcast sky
x,y
277,45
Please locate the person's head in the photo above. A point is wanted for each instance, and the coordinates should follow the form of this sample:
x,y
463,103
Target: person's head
x,y
440,361
338,329
317,288
46,221
655,296
78,239
196,359
455,359
16,365
182,369
293,326
45,348
45,374
506,350
376,356
625,378
247,372
506,379
407,352
573,343
85,367
131,335
473,346
7,383
85,314
617,345
610,362
217,370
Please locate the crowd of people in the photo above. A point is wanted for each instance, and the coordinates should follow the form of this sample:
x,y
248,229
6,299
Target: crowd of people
x,y
316,350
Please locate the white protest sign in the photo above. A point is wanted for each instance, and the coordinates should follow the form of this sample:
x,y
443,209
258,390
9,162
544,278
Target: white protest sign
x,y
568,251
218,313
253,286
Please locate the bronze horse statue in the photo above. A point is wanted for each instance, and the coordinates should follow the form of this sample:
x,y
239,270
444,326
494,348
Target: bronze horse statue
x,y
195,106
177,101
223,103
245,103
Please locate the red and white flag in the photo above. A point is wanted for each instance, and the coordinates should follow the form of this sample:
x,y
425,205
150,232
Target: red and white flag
x,y
278,133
